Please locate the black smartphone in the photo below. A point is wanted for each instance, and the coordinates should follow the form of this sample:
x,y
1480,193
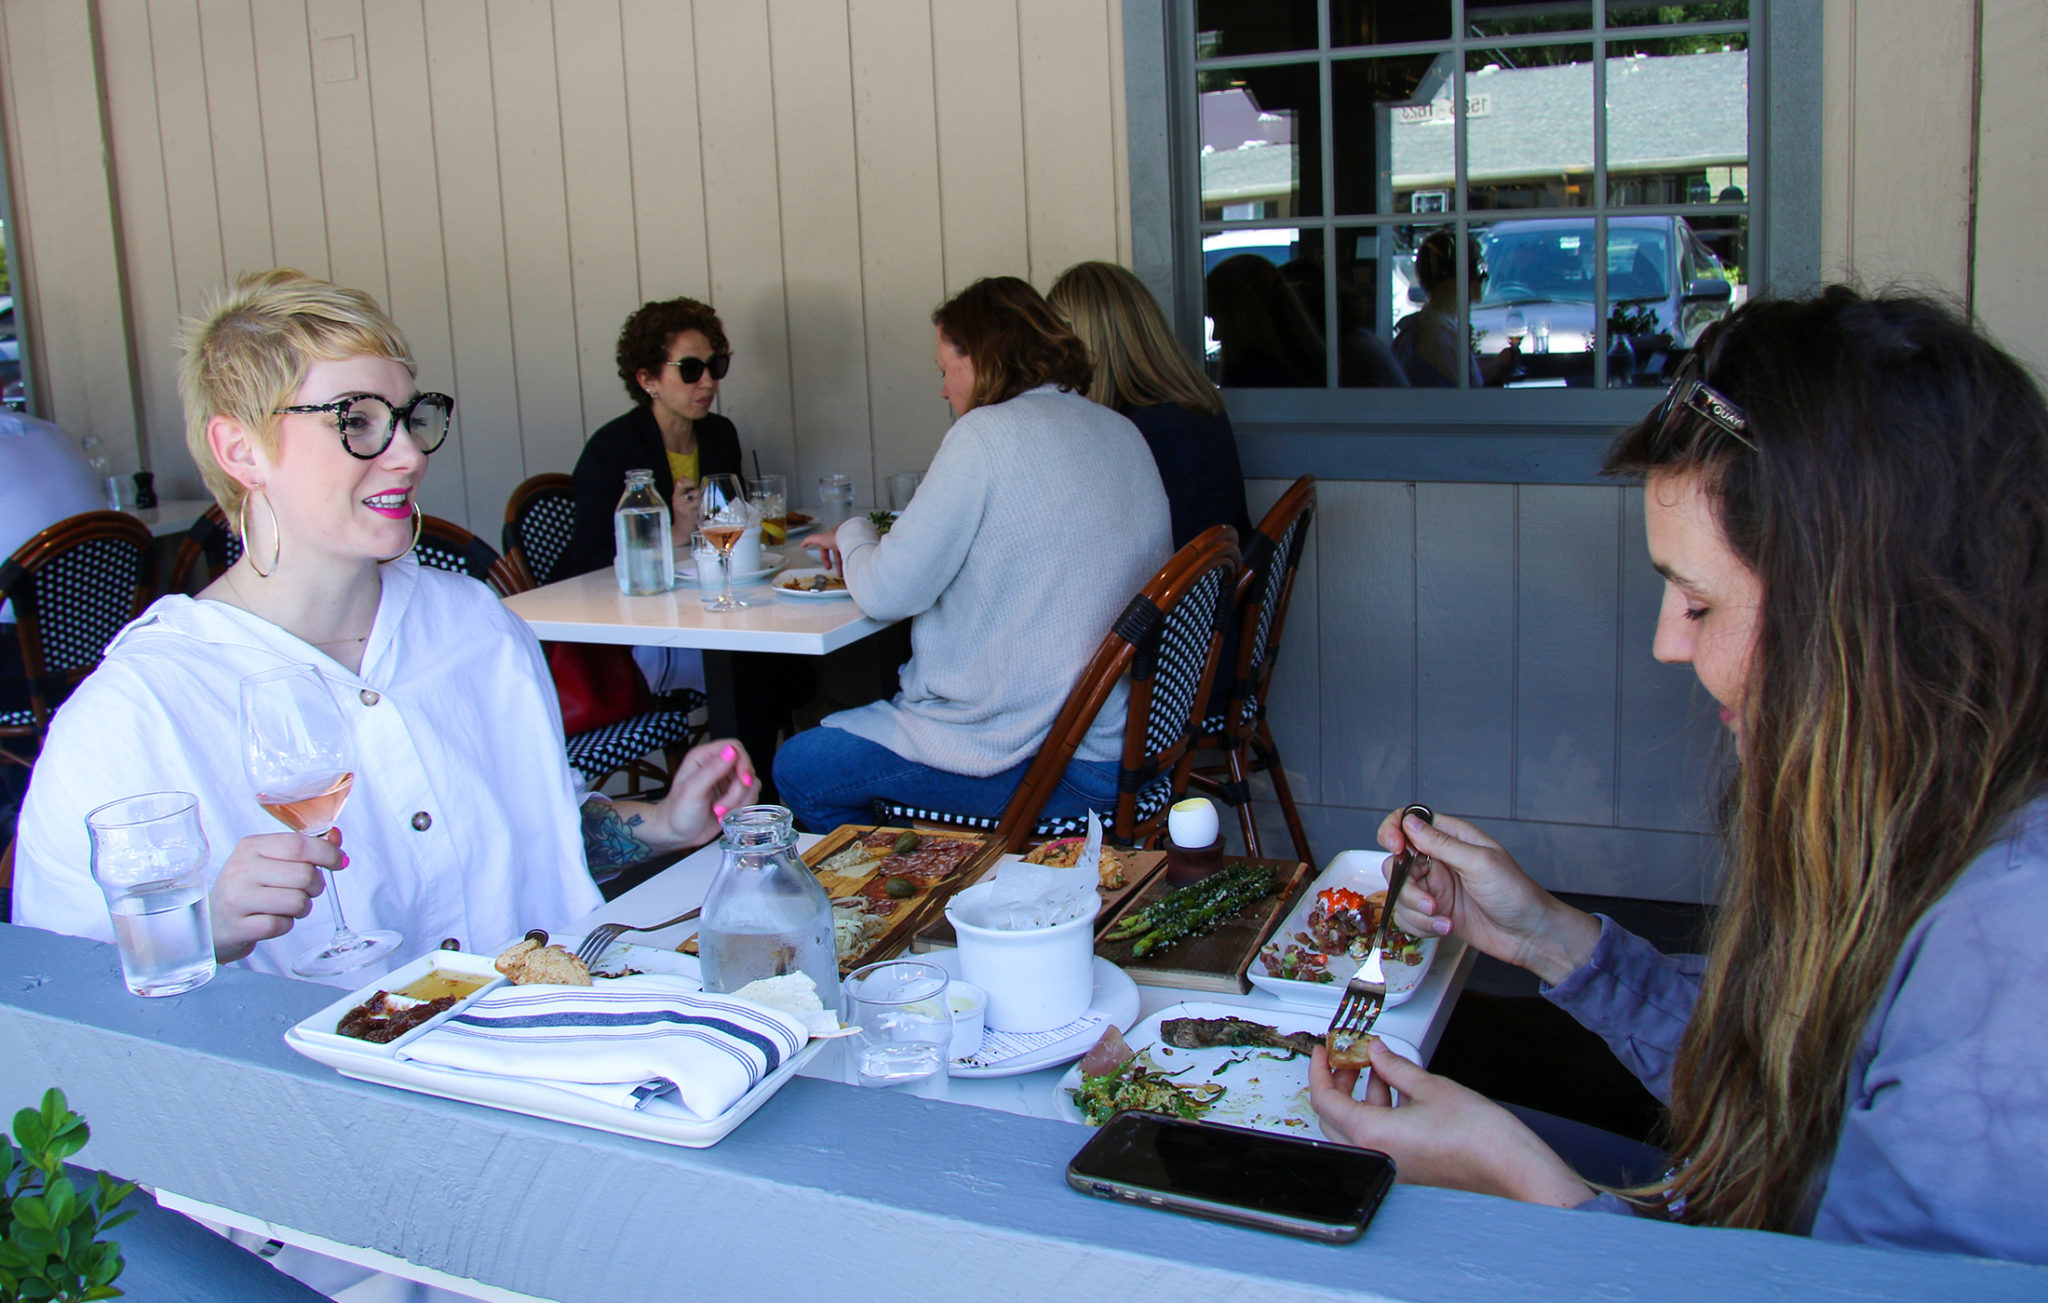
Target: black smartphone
x,y
1292,1184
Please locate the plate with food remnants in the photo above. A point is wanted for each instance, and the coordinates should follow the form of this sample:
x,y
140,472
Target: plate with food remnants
x,y
1320,944
813,584
1220,1062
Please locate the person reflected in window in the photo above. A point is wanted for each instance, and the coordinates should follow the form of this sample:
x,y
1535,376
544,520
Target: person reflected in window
x,y
1363,359
1431,343
1142,373
1266,338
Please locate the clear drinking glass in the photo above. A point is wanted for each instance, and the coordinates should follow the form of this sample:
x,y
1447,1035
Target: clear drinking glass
x,y
723,514
300,758
149,857
903,487
835,500
771,497
905,1021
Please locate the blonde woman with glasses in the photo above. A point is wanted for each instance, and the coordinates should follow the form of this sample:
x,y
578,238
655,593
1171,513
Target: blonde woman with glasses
x,y
303,414
1142,373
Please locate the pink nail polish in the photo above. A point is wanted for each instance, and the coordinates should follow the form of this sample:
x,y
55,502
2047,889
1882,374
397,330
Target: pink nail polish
x,y
726,754
344,859
718,811
746,780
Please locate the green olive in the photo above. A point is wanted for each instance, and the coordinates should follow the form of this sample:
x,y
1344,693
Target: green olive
x,y
899,888
906,842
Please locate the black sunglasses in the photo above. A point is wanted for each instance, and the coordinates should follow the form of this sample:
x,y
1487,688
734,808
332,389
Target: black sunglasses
x,y
692,369
368,424
1690,396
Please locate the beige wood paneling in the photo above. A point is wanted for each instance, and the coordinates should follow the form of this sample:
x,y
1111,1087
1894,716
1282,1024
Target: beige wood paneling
x,y
2011,276
980,109
742,215
818,186
1069,132
185,137
410,208
234,120
667,174
896,150
489,454
348,145
283,77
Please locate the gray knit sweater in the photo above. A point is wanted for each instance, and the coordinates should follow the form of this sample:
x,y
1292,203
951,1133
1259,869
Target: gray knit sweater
x,y
1037,522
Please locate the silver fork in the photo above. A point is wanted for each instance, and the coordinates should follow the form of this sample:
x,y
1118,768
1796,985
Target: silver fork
x,y
1363,998
602,936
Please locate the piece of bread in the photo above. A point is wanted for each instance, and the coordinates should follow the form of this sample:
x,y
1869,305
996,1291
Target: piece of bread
x,y
1350,1050
528,963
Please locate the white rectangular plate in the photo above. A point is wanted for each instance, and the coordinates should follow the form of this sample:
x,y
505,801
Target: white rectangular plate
x,y
658,1120
1263,1089
1363,872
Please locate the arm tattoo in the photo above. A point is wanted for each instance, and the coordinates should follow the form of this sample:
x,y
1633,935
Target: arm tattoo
x,y
609,841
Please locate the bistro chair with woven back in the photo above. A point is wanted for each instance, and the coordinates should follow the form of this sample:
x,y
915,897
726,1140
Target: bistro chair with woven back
x,y
1165,645
1238,730
73,586
209,543
612,720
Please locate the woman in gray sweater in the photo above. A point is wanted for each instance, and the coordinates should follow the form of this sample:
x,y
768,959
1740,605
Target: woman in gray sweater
x,y
1040,516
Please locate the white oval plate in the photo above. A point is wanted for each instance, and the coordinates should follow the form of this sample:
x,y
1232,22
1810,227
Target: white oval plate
x,y
686,577
1364,872
799,576
1265,1093
1116,998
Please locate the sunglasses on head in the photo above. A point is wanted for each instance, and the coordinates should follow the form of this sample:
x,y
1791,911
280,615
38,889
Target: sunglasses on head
x,y
1693,398
692,369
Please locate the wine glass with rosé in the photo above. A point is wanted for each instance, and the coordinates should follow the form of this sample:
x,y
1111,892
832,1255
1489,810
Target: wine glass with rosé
x,y
300,759
723,517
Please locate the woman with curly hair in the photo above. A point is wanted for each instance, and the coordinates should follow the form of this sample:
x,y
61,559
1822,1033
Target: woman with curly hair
x,y
672,354
1042,513
1849,506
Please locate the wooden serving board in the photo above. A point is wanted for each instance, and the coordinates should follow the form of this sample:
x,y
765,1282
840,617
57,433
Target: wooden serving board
x,y
1145,866
913,912
1218,961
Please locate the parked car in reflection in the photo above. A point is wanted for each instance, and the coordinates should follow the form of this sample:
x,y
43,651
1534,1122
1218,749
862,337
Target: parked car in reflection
x,y
11,391
1663,286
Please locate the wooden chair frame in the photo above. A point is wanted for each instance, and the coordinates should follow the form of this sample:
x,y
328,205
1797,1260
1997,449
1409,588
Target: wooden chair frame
x,y
513,537
1131,648
1245,740
208,541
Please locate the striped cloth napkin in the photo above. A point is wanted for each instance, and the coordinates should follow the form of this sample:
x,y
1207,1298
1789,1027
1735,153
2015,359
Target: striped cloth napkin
x,y
624,1042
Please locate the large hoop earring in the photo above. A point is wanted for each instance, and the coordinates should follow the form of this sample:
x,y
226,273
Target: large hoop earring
x,y
276,538
418,520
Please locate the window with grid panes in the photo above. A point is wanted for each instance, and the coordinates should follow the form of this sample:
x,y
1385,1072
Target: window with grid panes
x,y
1468,194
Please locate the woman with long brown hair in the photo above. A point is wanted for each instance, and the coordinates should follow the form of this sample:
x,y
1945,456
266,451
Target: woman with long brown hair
x,y
1849,506
1142,372
1040,516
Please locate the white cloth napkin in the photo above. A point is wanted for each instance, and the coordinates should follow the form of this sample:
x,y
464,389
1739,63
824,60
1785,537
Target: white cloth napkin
x,y
623,1042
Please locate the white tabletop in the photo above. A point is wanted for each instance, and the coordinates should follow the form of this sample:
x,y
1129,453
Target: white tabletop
x,y
590,608
171,515
1419,1020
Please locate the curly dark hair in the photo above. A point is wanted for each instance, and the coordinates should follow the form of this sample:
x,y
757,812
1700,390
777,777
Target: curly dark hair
x,y
643,340
1015,339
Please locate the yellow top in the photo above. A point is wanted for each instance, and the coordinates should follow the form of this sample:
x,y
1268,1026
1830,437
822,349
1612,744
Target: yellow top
x,y
682,466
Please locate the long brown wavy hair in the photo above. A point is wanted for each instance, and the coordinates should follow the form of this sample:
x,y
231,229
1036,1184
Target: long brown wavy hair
x,y
1895,507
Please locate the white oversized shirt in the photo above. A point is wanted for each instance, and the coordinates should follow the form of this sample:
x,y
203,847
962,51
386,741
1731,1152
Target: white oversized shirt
x,y
463,819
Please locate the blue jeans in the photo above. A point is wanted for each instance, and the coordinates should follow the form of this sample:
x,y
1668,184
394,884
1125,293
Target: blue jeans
x,y
828,777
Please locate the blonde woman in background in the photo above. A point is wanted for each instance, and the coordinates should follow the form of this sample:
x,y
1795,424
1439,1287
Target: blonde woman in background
x,y
1143,374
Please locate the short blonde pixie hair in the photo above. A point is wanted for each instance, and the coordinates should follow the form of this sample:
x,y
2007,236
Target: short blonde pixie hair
x,y
247,353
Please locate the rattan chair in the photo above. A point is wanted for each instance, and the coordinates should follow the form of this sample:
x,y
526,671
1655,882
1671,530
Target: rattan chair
x,y
73,586
209,542
540,518
1166,644
1239,731
596,753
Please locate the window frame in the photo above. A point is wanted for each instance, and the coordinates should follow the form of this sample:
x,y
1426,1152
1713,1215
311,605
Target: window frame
x,y
1483,436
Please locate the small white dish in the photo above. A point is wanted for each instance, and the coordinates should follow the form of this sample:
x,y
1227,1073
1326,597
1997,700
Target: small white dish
x,y
969,1002
1263,1089
1116,999
319,1029
1363,872
686,576
802,576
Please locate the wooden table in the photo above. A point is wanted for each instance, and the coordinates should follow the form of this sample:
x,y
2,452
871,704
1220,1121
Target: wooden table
x,y
590,608
1420,1020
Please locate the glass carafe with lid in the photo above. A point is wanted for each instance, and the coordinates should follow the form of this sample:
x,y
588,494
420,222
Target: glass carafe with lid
x,y
766,915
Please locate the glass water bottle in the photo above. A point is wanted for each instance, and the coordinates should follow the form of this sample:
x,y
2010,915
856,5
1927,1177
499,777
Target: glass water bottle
x,y
766,915
645,557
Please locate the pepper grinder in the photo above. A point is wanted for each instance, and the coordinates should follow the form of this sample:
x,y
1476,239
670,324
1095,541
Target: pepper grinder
x,y
1194,841
145,490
